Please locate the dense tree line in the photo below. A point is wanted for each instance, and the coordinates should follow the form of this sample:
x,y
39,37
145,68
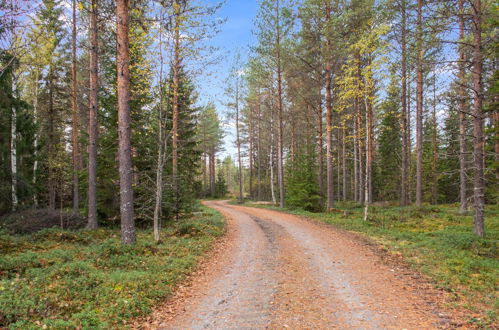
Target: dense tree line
x,y
370,101
100,112
352,100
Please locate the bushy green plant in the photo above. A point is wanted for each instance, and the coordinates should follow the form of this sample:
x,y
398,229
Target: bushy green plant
x,y
302,190
88,279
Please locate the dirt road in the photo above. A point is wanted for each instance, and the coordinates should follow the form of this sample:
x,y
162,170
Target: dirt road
x,y
282,271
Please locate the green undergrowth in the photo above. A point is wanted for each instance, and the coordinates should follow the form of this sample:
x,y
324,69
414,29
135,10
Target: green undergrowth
x,y
437,241
61,279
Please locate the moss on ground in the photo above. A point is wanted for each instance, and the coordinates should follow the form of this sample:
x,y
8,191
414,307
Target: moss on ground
x,y
87,279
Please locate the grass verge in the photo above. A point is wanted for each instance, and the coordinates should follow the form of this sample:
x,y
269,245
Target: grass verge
x,y
436,241
88,279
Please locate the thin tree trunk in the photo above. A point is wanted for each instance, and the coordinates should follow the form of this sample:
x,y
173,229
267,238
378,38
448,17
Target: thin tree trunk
x,y
478,122
238,143
51,141
259,160
329,119
366,185
419,107
93,128
250,119
212,171
272,192
13,144
35,144
161,140
74,119
124,121
463,205
362,181
370,146
320,149
403,95
434,144
280,135
338,162
175,106
344,162
355,155
409,141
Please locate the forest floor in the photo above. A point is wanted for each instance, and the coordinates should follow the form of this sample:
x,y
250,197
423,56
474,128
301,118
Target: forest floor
x,y
63,279
278,270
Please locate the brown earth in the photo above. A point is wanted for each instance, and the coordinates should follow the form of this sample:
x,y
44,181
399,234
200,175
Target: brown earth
x,y
276,271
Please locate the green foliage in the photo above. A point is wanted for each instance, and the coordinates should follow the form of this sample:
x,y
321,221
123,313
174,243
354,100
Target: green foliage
x,y
88,279
302,190
220,186
387,168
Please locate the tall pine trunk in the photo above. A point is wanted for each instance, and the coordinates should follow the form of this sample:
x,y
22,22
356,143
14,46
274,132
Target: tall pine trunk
x,y
51,140
161,151
175,107
259,159
419,107
329,119
280,110
74,119
93,128
124,121
434,190
238,143
272,192
478,122
320,150
35,142
212,171
463,201
403,97
250,151
13,143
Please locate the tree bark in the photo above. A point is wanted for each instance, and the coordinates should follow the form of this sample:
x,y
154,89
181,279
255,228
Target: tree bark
x,y
463,205
35,143
259,159
434,145
13,144
51,140
272,192
124,121
280,110
175,107
355,154
419,107
370,146
329,118
161,156
212,171
344,162
238,143
357,102
93,128
250,156
478,122
74,119
403,95
320,149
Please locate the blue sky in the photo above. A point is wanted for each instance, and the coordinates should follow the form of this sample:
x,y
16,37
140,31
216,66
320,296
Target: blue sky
x,y
235,36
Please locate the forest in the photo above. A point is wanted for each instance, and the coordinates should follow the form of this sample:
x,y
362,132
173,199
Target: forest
x,y
337,107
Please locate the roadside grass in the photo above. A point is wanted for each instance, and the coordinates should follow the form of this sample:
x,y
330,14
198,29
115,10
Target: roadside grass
x,y
437,241
87,279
